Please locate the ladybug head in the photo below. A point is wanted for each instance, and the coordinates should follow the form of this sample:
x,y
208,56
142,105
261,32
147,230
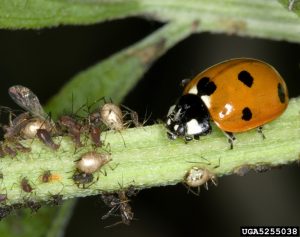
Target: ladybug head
x,y
188,118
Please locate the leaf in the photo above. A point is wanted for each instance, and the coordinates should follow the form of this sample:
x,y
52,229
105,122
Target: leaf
x,y
33,14
117,75
256,18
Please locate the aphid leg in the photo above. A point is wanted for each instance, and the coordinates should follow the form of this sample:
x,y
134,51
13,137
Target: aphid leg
x,y
291,4
231,138
260,131
8,150
146,118
190,189
19,147
121,137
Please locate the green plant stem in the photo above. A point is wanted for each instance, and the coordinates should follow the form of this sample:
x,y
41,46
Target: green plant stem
x,y
150,158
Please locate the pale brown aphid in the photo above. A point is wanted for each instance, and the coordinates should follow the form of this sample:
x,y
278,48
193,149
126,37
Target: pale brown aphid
x,y
92,161
242,170
29,130
197,177
112,116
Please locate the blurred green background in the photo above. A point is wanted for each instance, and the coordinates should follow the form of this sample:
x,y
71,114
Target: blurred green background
x,y
44,60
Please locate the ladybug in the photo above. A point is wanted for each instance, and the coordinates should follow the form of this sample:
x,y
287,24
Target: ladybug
x,y
238,95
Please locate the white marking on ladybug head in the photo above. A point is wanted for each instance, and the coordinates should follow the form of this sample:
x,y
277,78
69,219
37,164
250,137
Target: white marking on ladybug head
x,y
193,127
206,100
193,90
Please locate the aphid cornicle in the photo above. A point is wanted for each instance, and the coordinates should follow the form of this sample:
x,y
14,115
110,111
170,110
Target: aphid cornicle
x,y
92,161
238,95
45,137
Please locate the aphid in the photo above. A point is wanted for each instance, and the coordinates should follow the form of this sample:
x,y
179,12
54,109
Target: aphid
x,y
119,202
17,206
15,125
47,177
2,153
261,168
95,133
81,178
3,197
8,150
125,208
46,138
4,211
238,95
92,161
26,187
242,170
24,125
197,177
33,205
56,199
133,116
31,126
74,129
112,116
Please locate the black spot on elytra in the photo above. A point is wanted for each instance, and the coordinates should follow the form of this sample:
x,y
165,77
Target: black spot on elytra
x,y
281,93
246,78
205,86
247,114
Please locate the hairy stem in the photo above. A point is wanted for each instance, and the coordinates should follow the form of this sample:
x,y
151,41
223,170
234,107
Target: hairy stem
x,y
149,159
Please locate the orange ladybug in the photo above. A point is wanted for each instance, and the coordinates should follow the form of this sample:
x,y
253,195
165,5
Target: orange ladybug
x,y
238,95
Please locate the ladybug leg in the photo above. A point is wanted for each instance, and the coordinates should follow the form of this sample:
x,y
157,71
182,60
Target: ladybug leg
x,y
231,138
259,130
188,139
197,137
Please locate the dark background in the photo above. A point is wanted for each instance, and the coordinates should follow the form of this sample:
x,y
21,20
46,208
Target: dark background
x,y
44,60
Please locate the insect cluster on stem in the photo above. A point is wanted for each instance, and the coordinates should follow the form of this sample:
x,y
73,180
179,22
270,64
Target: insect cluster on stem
x,y
34,123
